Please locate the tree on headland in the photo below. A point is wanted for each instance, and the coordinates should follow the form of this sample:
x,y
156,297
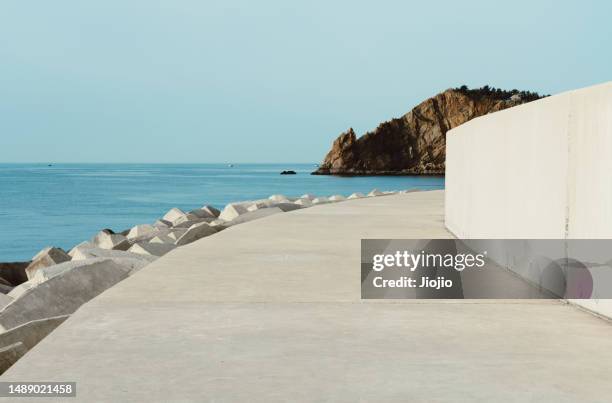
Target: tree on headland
x,y
497,93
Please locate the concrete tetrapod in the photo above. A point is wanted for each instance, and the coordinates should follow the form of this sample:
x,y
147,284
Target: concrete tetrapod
x,y
162,224
337,198
233,210
254,215
106,240
196,232
189,220
80,247
152,249
279,198
176,233
211,210
206,212
287,206
29,334
162,238
130,261
21,289
258,204
105,253
320,200
141,230
62,294
304,202
46,257
173,214
32,332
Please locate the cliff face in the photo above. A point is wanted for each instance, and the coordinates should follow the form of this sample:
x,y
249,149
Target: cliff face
x,y
415,143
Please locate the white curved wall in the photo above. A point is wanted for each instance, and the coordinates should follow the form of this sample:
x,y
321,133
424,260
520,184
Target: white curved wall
x,y
540,170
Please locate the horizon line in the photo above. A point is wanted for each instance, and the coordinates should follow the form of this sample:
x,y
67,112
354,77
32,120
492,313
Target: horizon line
x,y
159,163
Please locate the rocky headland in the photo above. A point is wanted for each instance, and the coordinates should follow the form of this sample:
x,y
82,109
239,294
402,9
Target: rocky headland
x,y
414,144
37,296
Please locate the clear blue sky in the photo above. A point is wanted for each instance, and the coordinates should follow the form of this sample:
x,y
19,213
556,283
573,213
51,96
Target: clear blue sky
x,y
265,81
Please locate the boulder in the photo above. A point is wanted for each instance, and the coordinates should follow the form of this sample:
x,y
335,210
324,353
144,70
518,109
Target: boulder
x,y
141,230
14,272
5,289
47,257
320,200
233,210
196,232
375,192
106,240
62,294
337,198
254,215
173,214
357,195
152,249
10,354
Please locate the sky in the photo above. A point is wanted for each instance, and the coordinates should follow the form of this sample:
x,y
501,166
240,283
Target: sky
x,y
265,81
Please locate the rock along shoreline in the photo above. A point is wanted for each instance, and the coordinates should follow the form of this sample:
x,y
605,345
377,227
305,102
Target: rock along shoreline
x,y
37,296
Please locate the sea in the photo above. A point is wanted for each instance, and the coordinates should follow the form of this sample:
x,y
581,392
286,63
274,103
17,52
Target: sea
x,y
64,204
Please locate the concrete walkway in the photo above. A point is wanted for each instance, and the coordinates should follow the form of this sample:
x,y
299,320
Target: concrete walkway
x,y
271,311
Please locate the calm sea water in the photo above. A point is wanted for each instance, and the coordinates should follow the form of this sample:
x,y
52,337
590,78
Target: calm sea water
x,y
65,204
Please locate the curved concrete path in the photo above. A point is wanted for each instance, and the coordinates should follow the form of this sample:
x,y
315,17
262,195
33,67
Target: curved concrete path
x,y
271,311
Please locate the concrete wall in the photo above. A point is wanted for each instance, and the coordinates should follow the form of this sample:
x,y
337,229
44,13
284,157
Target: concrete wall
x,y
536,171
